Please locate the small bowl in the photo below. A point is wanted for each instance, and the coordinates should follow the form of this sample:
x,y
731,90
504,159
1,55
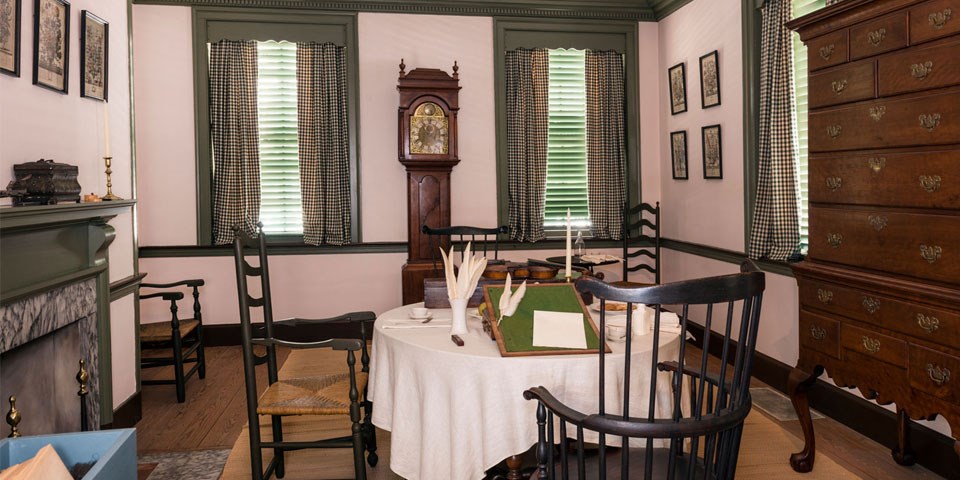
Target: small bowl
x,y
520,271
495,272
540,272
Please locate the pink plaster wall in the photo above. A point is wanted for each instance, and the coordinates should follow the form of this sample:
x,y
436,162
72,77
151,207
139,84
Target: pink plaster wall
x,y
39,123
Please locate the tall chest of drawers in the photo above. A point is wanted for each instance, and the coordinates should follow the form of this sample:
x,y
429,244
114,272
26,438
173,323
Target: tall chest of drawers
x,y
880,289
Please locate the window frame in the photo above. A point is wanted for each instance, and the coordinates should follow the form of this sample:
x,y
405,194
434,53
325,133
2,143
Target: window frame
x,y
212,24
511,33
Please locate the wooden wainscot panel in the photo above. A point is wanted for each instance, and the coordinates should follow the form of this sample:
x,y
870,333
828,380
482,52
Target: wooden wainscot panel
x,y
926,119
927,179
935,373
878,36
921,68
820,333
827,50
845,84
874,345
934,19
918,245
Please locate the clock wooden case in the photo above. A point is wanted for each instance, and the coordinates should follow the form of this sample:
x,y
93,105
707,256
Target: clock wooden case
x,y
427,144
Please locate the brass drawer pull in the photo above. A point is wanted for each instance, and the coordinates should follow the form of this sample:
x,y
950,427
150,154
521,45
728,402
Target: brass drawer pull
x,y
817,333
877,163
939,19
930,324
876,37
871,305
834,130
931,254
834,183
825,296
834,239
921,70
878,222
930,183
876,113
827,51
839,85
929,122
938,374
871,344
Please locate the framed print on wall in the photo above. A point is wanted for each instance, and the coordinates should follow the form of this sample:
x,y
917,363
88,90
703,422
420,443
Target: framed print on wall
x,y
709,80
677,75
10,37
712,152
94,48
51,44
678,154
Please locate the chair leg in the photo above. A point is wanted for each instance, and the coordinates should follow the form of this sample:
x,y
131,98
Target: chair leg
x,y
201,358
360,470
178,366
256,455
370,434
278,437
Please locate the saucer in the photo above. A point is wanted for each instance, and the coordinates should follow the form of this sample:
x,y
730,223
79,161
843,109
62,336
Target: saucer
x,y
424,317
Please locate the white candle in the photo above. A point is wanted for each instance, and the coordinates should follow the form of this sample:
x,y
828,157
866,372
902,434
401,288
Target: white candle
x,y
106,131
568,271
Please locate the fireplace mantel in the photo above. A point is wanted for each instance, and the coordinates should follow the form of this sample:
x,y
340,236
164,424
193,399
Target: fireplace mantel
x,y
44,248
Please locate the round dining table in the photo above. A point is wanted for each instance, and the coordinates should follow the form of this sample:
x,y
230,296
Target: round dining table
x,y
456,411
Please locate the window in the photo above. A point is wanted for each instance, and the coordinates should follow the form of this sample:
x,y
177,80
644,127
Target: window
x,y
281,210
800,8
567,43
286,148
567,144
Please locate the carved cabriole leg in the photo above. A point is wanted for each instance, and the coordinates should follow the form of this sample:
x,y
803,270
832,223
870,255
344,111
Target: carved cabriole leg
x,y
798,384
903,454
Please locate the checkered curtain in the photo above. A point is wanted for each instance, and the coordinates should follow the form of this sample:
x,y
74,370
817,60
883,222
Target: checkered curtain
x,y
606,192
234,137
775,234
528,110
324,143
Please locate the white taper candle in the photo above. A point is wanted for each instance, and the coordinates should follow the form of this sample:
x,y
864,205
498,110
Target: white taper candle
x,y
568,272
106,131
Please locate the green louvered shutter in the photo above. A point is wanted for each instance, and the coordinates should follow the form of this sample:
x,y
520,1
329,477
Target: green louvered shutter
x,y
567,147
280,204
801,8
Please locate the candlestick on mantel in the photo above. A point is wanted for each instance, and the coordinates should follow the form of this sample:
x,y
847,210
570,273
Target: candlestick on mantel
x,y
569,266
109,196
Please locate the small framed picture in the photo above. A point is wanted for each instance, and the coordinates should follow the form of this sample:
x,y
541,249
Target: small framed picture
x,y
10,37
709,80
94,45
678,88
51,44
678,154
712,152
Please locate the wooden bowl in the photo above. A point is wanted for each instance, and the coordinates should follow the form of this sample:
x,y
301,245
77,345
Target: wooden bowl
x,y
495,272
541,272
520,271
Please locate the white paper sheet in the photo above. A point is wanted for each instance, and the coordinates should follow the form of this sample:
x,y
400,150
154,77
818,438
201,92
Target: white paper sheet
x,y
558,329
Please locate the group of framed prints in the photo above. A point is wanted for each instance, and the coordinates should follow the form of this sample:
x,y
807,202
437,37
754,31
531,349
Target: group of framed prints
x,y
51,46
710,135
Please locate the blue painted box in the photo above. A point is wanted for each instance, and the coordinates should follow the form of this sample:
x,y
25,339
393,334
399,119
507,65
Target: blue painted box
x,y
114,451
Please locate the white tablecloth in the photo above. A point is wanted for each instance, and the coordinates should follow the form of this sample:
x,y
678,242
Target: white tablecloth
x,y
454,412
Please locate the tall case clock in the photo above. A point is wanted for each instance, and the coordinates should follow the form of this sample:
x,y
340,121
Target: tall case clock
x,y
427,134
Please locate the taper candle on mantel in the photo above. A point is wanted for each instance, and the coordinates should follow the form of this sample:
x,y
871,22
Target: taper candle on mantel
x,y
107,158
567,273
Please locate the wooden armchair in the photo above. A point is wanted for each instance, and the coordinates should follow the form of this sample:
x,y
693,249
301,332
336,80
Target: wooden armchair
x,y
333,394
703,443
183,337
483,240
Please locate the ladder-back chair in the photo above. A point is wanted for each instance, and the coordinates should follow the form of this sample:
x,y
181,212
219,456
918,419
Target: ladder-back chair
x,y
483,241
641,226
182,337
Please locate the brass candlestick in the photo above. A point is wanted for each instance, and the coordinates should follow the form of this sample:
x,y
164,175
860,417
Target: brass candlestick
x,y
82,378
109,196
13,418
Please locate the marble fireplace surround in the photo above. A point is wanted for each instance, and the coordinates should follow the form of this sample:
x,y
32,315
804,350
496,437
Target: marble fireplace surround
x,y
26,320
54,271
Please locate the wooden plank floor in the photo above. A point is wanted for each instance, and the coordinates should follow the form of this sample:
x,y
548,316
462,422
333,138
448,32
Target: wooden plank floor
x,y
214,416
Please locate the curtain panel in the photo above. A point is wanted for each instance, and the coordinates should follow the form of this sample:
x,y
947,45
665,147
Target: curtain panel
x,y
234,137
775,233
528,109
323,137
606,192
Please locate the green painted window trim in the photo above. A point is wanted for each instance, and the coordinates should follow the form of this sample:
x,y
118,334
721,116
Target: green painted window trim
x,y
211,24
512,33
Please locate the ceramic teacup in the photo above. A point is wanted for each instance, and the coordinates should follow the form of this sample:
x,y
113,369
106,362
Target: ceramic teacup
x,y
616,333
420,312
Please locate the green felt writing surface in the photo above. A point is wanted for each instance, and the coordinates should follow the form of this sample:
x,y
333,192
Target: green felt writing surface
x,y
517,329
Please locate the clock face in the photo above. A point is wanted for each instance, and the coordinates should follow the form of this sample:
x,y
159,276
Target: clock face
x,y
428,130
